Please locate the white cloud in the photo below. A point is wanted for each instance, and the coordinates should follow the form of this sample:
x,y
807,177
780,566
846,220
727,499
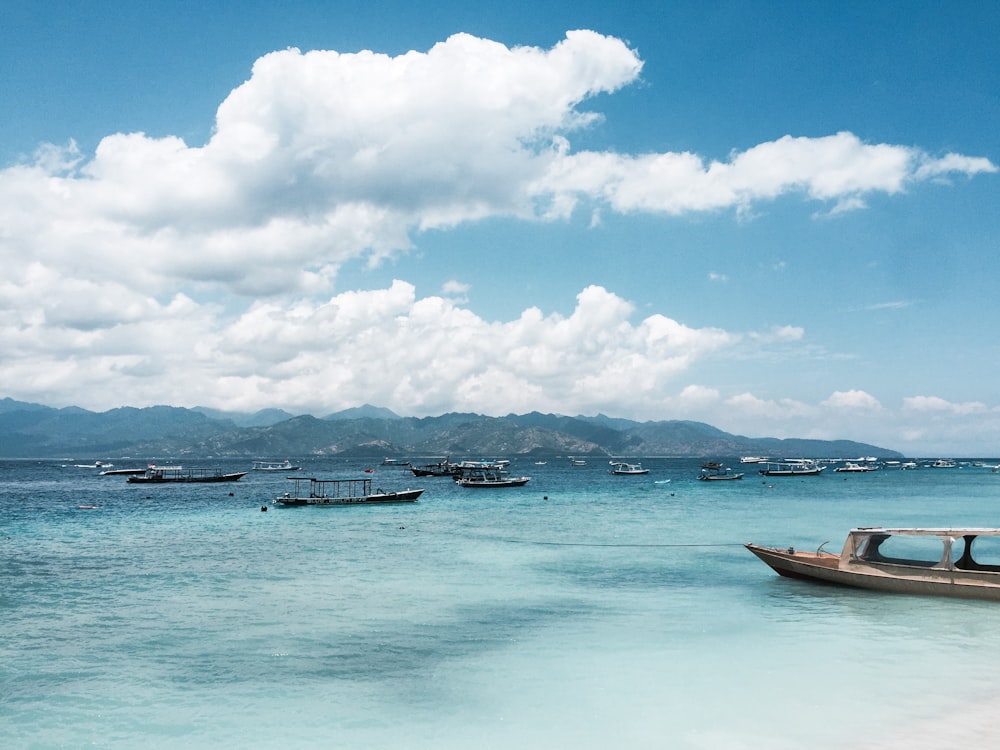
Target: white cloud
x,y
156,272
853,400
935,404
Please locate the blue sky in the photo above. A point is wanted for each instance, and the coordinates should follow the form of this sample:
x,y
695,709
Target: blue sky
x,y
778,218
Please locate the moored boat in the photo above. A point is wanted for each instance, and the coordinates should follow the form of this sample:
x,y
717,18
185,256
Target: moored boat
x,y
792,469
327,492
441,469
620,467
713,471
178,474
489,476
285,465
854,468
960,562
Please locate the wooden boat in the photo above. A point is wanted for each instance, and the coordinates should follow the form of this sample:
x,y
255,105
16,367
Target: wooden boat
x,y
489,476
178,474
312,491
441,469
854,468
620,467
793,469
285,465
938,562
716,472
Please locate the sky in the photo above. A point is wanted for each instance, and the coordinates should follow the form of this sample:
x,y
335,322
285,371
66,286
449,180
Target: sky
x,y
777,218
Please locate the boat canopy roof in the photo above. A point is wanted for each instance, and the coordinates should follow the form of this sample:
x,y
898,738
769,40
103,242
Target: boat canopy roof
x,y
942,532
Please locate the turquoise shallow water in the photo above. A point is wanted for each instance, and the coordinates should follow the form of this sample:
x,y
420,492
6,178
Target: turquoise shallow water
x,y
582,610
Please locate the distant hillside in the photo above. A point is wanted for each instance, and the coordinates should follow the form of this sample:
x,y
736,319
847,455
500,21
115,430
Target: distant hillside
x,y
32,430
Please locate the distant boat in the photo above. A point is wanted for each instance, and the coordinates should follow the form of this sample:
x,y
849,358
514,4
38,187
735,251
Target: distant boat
x,y
853,468
753,460
95,465
798,468
392,462
716,472
178,474
620,467
441,469
489,477
937,562
285,465
944,463
334,492
577,461
121,472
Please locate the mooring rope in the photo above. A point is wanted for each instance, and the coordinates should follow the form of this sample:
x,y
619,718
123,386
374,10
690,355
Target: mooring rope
x,y
542,543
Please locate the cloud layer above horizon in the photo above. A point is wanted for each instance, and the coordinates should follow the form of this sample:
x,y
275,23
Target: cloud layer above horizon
x,y
226,255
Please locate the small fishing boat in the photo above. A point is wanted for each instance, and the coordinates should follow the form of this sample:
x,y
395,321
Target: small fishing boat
x,y
489,477
577,461
854,468
327,492
792,469
716,472
620,467
178,474
441,469
940,562
285,465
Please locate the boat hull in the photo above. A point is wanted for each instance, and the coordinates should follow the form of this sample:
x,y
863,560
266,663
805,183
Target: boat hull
x,y
826,567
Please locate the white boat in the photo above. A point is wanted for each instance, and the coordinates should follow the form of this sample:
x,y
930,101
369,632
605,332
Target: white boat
x,y
489,477
326,492
939,562
753,460
944,463
852,468
796,468
620,467
716,472
577,461
285,465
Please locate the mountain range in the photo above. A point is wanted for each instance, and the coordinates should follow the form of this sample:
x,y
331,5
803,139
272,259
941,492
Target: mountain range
x,y
30,430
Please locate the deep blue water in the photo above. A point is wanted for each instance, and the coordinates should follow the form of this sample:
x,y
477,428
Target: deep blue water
x,y
583,610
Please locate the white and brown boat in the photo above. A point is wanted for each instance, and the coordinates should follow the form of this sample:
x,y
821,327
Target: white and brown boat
x,y
326,492
962,562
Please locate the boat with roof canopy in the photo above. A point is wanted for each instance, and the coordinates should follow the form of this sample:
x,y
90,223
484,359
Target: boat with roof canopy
x,y
956,562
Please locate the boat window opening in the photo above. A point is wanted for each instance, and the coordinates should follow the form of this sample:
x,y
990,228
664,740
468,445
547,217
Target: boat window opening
x,y
980,553
919,551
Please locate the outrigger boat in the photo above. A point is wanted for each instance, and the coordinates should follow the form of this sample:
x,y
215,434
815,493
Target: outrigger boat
x,y
285,465
168,474
620,467
489,476
342,492
938,562
441,469
800,468
713,471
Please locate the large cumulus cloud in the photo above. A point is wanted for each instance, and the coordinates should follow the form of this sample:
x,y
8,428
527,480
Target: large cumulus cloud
x,y
157,271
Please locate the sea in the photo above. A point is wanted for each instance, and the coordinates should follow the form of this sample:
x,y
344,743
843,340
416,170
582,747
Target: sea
x,y
583,610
